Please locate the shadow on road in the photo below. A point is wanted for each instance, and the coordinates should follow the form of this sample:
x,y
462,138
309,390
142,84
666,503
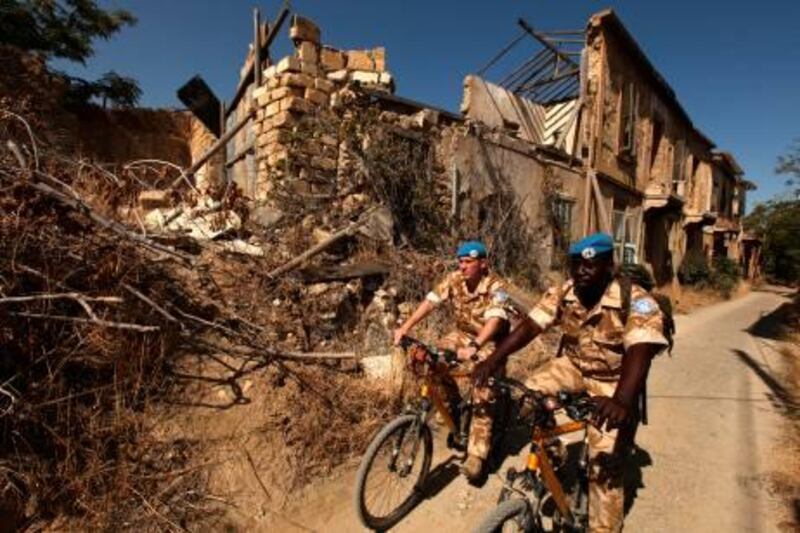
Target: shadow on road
x,y
632,476
779,395
440,477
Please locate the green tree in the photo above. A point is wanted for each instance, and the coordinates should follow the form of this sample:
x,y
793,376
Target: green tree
x,y
789,165
68,29
777,222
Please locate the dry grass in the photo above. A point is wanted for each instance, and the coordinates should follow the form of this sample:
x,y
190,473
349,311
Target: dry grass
x,y
787,482
690,299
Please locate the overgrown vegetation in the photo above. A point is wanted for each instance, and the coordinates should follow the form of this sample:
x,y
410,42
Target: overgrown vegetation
x,y
722,275
777,222
67,29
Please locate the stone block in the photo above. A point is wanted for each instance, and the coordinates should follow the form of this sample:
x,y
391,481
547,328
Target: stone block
x,y
297,80
302,29
332,59
386,79
379,58
283,118
154,199
323,163
277,135
277,157
296,104
308,53
360,60
274,82
324,85
316,97
270,72
273,108
361,76
426,118
312,69
312,147
329,140
280,92
338,75
288,64
260,91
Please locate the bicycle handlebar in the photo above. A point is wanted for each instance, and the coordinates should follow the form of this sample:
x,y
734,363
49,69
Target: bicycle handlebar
x,y
578,406
434,352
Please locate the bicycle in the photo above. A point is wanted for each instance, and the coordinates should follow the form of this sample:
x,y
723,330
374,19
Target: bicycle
x,y
534,499
401,452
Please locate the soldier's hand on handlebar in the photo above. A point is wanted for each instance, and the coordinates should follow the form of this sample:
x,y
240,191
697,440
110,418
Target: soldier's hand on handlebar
x,y
466,353
399,333
610,412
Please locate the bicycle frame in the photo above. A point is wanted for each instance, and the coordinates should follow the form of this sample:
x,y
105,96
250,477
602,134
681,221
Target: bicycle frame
x,y
538,461
431,389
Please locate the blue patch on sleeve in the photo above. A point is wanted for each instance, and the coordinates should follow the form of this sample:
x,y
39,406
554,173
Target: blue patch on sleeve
x,y
500,296
643,306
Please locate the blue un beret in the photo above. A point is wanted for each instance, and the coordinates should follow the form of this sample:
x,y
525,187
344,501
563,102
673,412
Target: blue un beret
x,y
472,249
592,245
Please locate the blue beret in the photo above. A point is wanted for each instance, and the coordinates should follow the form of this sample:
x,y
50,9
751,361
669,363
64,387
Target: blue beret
x,y
472,249
592,245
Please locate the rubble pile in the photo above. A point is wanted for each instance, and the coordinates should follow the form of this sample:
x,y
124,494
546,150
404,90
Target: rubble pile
x,y
105,322
137,318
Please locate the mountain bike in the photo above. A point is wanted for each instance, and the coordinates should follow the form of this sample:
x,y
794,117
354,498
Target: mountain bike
x,y
534,499
393,471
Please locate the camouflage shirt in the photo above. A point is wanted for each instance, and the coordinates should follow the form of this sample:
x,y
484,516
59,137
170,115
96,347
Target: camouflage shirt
x,y
596,339
472,309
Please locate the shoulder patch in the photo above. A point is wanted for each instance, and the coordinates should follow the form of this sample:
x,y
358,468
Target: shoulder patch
x,y
643,306
500,296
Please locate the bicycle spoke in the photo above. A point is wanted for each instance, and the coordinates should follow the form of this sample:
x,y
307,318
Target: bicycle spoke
x,y
386,488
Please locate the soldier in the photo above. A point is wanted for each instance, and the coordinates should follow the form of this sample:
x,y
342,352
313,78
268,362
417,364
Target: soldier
x,y
478,297
606,351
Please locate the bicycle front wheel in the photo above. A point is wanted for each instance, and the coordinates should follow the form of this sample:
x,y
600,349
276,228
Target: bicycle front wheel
x,y
393,469
509,516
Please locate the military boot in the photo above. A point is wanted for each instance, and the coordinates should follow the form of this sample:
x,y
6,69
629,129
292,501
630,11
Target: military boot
x,y
473,469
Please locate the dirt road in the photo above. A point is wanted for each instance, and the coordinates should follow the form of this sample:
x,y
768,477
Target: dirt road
x,y
705,458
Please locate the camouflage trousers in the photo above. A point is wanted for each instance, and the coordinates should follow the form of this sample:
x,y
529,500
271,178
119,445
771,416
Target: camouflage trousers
x,y
480,430
606,450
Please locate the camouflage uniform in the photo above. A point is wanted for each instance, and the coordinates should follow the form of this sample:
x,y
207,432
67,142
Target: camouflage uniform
x,y
472,310
593,345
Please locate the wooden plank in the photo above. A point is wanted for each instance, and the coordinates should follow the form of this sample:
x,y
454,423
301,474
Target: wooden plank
x,y
221,142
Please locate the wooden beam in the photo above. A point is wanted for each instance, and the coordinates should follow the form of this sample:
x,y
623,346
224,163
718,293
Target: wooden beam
x,y
547,44
241,89
221,142
241,154
257,47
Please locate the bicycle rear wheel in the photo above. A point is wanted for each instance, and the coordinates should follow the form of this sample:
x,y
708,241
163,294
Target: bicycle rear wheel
x,y
393,469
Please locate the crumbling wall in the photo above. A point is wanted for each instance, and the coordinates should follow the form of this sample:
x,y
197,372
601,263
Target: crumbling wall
x,y
110,136
499,108
615,78
122,135
298,85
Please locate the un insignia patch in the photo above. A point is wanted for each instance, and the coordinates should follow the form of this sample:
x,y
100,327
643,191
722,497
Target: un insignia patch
x,y
500,296
643,306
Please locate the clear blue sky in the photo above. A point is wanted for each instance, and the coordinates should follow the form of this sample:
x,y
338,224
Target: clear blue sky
x,y
734,65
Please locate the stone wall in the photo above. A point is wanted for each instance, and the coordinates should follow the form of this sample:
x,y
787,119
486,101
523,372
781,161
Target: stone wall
x,y
313,78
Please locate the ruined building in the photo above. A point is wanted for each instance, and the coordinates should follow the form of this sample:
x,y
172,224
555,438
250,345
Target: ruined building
x,y
586,135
